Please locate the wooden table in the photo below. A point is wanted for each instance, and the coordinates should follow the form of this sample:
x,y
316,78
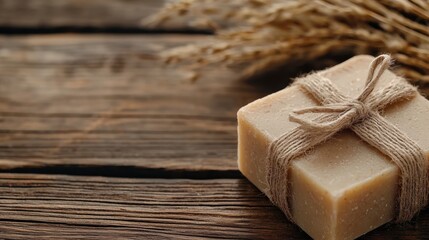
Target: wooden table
x,y
99,139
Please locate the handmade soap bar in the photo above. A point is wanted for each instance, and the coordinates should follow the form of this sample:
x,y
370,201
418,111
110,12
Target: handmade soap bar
x,y
342,188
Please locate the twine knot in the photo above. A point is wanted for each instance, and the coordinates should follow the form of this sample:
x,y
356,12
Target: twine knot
x,y
360,108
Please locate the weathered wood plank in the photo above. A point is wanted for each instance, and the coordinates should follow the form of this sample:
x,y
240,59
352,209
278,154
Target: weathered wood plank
x,y
65,207
113,16
76,13
55,206
107,100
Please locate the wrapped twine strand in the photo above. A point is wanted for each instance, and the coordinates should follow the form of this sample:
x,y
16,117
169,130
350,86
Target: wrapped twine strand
x,y
361,115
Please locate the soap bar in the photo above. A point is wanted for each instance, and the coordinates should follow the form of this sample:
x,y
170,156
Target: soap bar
x,y
344,187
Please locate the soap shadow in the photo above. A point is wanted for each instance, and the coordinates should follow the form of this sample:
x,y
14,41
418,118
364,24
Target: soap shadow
x,y
417,228
281,76
260,219
247,90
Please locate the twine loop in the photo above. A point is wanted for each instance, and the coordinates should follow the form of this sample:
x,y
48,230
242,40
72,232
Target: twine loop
x,y
347,112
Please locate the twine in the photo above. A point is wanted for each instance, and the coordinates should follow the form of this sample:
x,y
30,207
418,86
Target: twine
x,y
362,116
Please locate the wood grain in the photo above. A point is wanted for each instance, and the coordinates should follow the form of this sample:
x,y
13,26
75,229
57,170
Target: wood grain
x,y
66,207
119,16
55,206
76,13
107,100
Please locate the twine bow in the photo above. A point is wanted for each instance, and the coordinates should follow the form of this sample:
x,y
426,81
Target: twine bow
x,y
349,111
361,115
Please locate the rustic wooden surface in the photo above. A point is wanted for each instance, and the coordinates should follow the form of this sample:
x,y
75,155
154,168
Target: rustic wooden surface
x,y
107,100
91,16
98,14
99,139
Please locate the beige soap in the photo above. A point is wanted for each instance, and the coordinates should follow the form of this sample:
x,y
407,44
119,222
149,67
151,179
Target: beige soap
x,y
343,188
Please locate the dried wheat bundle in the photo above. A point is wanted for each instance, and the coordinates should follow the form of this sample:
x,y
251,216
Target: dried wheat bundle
x,y
273,33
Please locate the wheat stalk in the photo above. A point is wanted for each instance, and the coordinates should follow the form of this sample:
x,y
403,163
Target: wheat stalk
x,y
265,34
